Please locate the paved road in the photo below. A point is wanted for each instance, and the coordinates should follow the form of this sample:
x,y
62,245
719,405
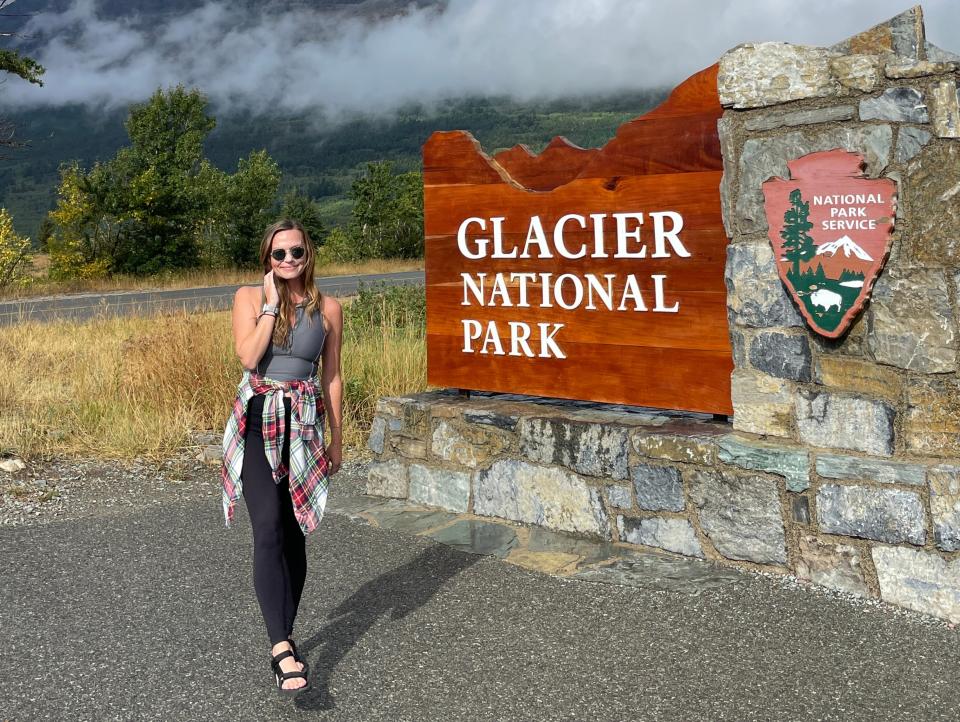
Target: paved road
x,y
147,612
85,306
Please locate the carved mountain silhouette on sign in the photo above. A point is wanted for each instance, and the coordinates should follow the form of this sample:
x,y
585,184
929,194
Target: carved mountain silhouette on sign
x,y
560,161
678,136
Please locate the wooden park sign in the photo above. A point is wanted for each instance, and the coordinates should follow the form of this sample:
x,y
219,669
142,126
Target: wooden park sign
x,y
586,274
831,230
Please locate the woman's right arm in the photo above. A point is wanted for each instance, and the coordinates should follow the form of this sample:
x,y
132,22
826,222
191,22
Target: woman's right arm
x,y
252,332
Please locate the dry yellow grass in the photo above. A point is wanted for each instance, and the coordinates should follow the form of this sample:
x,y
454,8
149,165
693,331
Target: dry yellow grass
x,y
126,387
42,286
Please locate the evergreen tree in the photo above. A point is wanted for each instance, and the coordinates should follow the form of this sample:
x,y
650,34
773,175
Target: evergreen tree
x,y
387,216
797,244
302,208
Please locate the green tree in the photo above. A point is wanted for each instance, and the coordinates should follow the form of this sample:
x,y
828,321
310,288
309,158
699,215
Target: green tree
x,y
387,216
159,204
44,232
152,186
13,63
797,244
20,65
246,206
302,208
14,253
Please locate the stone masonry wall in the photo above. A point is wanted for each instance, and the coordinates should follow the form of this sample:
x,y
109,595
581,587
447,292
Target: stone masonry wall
x,y
842,463
683,483
886,396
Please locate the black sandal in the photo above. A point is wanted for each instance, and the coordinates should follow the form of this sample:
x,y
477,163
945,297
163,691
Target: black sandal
x,y
280,676
296,655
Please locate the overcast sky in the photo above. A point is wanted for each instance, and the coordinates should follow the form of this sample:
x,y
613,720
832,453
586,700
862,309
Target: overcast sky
x,y
300,60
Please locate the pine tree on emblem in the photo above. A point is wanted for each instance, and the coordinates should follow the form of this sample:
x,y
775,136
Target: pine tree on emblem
x,y
797,244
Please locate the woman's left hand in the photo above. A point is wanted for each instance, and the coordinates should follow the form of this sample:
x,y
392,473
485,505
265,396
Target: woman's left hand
x,y
334,455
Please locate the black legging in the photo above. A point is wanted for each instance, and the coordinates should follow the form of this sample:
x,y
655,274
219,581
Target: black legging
x,y
279,549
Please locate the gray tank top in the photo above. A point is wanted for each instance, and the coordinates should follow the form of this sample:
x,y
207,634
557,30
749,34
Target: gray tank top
x,y
300,358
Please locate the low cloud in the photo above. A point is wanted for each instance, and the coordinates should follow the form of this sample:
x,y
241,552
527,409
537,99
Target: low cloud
x,y
334,64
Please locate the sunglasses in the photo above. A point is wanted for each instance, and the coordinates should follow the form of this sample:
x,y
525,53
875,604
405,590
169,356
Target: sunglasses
x,y
296,253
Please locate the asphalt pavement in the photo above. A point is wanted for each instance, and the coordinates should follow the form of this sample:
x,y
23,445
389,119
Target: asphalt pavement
x,y
84,306
147,612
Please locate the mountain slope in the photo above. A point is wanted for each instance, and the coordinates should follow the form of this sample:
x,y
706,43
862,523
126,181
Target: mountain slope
x,y
321,161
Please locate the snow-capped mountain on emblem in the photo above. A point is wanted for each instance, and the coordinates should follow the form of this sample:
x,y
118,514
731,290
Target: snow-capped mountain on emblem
x,y
845,244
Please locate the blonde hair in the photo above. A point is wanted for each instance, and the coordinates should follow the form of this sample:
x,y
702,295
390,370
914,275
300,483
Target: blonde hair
x,y
312,296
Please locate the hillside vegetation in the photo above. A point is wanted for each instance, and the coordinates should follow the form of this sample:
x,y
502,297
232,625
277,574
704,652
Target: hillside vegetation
x,y
320,161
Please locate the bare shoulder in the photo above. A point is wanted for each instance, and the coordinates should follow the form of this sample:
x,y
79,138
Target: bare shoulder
x,y
247,294
332,310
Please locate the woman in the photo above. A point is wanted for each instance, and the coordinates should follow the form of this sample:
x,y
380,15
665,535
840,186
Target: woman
x,y
274,452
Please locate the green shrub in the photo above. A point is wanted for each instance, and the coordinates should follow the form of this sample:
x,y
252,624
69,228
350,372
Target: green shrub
x,y
379,305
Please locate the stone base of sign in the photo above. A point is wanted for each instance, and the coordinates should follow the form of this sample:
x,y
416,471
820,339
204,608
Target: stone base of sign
x,y
684,483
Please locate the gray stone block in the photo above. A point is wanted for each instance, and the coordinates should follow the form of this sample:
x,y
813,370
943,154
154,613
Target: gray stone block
x,y
898,68
932,423
439,487
659,488
939,55
762,404
740,515
837,566
919,580
887,515
800,506
910,321
472,446
738,344
587,448
857,72
409,448
945,506
771,120
931,195
754,75
674,535
791,464
900,35
763,158
783,355
755,294
909,143
844,422
945,104
687,448
547,496
507,422
620,497
388,478
901,105
856,467
725,129
378,431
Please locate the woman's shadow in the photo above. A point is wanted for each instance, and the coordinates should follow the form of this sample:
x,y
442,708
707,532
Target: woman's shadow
x,y
398,592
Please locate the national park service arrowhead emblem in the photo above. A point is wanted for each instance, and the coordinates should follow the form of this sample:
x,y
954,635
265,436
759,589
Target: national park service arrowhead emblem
x,y
830,228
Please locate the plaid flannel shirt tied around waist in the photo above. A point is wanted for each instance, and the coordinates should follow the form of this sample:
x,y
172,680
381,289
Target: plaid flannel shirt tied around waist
x,y
307,475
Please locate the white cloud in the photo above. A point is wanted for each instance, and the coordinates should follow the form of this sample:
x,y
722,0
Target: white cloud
x,y
302,60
